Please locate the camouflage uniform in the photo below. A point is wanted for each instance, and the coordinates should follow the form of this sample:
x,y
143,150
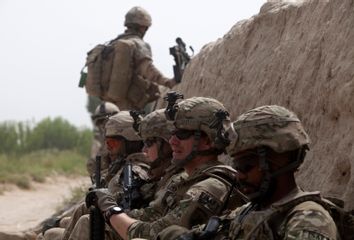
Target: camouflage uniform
x,y
280,130
120,124
187,202
156,209
79,226
142,86
207,190
153,125
296,215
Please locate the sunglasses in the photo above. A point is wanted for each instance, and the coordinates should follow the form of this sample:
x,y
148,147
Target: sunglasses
x,y
183,134
149,142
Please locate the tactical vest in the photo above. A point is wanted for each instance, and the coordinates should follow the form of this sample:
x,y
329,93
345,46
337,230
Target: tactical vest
x,y
268,224
207,204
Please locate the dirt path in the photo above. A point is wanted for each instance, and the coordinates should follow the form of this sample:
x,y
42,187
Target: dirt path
x,y
24,209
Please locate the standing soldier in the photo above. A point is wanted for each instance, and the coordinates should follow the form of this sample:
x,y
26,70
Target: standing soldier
x,y
269,145
204,193
122,71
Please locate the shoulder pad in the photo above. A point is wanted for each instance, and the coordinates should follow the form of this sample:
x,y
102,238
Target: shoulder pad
x,y
222,172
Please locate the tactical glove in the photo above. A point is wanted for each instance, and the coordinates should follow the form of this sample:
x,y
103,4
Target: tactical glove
x,y
101,198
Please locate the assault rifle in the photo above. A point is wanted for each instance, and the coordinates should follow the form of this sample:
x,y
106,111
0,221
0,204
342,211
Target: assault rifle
x,y
181,57
128,185
97,222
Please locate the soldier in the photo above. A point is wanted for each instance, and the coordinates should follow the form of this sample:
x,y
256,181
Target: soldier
x,y
155,131
145,77
123,144
122,141
99,119
270,144
204,193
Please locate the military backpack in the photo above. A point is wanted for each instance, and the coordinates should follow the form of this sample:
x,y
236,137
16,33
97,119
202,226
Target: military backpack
x,y
100,80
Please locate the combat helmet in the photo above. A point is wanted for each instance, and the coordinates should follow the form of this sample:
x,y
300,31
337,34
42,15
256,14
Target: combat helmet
x,y
137,16
155,124
121,124
196,114
103,111
271,126
265,129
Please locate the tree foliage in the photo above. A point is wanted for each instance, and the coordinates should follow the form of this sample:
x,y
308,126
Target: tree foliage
x,y
19,138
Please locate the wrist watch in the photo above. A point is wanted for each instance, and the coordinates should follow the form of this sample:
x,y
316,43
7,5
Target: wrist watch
x,y
112,211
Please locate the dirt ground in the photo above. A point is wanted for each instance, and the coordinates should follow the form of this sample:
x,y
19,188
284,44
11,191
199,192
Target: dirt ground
x,y
24,209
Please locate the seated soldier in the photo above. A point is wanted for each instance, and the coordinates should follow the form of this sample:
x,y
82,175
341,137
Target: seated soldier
x,y
204,193
155,130
269,145
123,144
99,119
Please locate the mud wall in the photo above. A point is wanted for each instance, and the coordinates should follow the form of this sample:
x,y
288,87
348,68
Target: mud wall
x,y
300,55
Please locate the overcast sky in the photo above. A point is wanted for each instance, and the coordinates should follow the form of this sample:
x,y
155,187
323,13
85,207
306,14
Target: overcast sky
x,y
43,45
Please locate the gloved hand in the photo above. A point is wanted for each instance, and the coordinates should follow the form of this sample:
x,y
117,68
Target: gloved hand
x,y
171,83
101,198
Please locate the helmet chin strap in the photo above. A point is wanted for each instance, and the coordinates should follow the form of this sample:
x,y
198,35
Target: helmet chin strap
x,y
268,180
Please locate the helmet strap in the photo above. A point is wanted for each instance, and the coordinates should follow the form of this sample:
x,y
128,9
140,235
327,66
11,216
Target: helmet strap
x,y
266,179
293,165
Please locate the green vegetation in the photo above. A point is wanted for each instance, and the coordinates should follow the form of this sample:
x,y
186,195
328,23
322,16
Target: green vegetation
x,y
31,153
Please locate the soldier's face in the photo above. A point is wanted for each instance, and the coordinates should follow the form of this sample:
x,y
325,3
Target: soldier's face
x,y
181,143
250,174
151,149
113,145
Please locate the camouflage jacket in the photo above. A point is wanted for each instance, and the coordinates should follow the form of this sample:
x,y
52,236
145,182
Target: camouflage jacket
x,y
189,201
158,206
140,86
145,188
306,220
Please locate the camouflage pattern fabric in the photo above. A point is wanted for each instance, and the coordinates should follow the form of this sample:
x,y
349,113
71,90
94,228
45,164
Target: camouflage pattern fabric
x,y
158,206
140,171
272,126
142,88
115,186
308,220
190,202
